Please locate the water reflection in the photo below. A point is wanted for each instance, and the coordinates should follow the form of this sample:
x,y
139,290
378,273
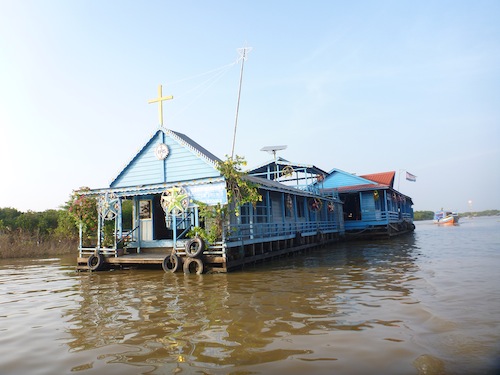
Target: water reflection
x,y
265,314
425,304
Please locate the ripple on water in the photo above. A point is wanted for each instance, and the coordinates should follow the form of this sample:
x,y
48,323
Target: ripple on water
x,y
394,307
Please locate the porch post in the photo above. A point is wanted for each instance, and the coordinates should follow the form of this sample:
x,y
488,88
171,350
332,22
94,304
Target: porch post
x,y
294,205
98,231
196,218
119,221
80,234
174,230
137,223
386,207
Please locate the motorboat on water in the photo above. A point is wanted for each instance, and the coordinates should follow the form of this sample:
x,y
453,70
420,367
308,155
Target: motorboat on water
x,y
446,218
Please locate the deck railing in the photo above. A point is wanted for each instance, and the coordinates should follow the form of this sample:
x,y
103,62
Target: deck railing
x,y
377,218
257,231
127,237
385,216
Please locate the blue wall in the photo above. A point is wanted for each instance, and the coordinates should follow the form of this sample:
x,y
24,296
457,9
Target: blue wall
x,y
183,163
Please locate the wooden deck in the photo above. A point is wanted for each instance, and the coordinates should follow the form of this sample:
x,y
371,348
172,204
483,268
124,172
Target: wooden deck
x,y
237,256
137,260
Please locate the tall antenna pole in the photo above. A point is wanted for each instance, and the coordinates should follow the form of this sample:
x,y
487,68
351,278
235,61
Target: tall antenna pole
x,y
243,57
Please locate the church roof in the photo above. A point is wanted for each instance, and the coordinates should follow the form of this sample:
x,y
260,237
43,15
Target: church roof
x,y
184,160
195,146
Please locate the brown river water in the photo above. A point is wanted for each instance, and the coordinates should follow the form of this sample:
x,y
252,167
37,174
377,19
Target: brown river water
x,y
427,303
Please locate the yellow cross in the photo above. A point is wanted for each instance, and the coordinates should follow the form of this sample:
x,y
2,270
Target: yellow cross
x,y
160,100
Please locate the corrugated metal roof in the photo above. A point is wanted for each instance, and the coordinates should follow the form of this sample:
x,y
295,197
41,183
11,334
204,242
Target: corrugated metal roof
x,y
305,168
383,178
201,150
151,189
365,187
159,188
346,189
354,188
277,186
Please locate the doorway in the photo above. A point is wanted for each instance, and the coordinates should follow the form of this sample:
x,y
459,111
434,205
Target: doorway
x,y
146,219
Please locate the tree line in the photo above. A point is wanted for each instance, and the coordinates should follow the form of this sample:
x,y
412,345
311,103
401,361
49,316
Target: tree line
x,y
27,234
57,223
36,234
80,209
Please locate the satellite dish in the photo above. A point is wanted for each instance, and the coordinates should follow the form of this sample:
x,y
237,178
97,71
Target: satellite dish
x,y
273,149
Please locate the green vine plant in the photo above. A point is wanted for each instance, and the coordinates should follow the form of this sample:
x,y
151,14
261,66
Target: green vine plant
x,y
239,192
239,189
82,208
211,221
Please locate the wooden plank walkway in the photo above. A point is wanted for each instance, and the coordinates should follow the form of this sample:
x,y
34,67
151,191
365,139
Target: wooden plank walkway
x,y
134,259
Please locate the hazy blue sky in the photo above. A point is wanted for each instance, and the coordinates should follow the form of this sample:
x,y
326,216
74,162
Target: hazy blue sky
x,y
363,86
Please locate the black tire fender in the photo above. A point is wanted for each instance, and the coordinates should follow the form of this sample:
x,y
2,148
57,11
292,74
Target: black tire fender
x,y
193,265
95,262
171,263
195,247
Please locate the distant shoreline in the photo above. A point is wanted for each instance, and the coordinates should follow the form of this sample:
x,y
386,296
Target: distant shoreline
x,y
429,215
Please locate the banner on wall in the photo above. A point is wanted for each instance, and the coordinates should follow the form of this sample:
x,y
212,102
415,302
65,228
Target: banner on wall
x,y
210,194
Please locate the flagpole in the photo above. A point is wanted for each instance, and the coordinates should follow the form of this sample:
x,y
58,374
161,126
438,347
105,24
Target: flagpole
x,y
243,56
399,178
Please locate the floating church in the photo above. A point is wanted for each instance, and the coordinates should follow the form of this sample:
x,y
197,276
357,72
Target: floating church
x,y
182,215
173,178
173,182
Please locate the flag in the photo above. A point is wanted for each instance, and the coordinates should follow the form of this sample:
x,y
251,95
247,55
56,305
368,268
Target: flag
x,y
411,177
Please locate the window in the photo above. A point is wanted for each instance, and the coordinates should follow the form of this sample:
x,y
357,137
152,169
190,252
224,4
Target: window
x,y
300,206
245,212
145,209
261,210
288,205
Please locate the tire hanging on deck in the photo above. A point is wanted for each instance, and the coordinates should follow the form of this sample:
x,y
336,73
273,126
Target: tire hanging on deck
x,y
171,263
193,265
95,262
195,247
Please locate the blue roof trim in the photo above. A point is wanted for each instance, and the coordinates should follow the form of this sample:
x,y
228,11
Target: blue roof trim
x,y
180,138
195,146
153,188
117,178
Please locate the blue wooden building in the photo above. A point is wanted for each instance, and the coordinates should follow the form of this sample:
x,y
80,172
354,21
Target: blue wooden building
x,y
372,207
171,178
310,211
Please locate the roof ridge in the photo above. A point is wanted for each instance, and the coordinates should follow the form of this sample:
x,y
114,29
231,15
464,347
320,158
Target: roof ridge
x,y
192,145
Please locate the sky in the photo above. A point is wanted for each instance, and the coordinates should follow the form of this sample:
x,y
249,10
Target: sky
x,y
361,86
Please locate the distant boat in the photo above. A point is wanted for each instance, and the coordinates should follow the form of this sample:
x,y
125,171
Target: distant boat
x,y
446,218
